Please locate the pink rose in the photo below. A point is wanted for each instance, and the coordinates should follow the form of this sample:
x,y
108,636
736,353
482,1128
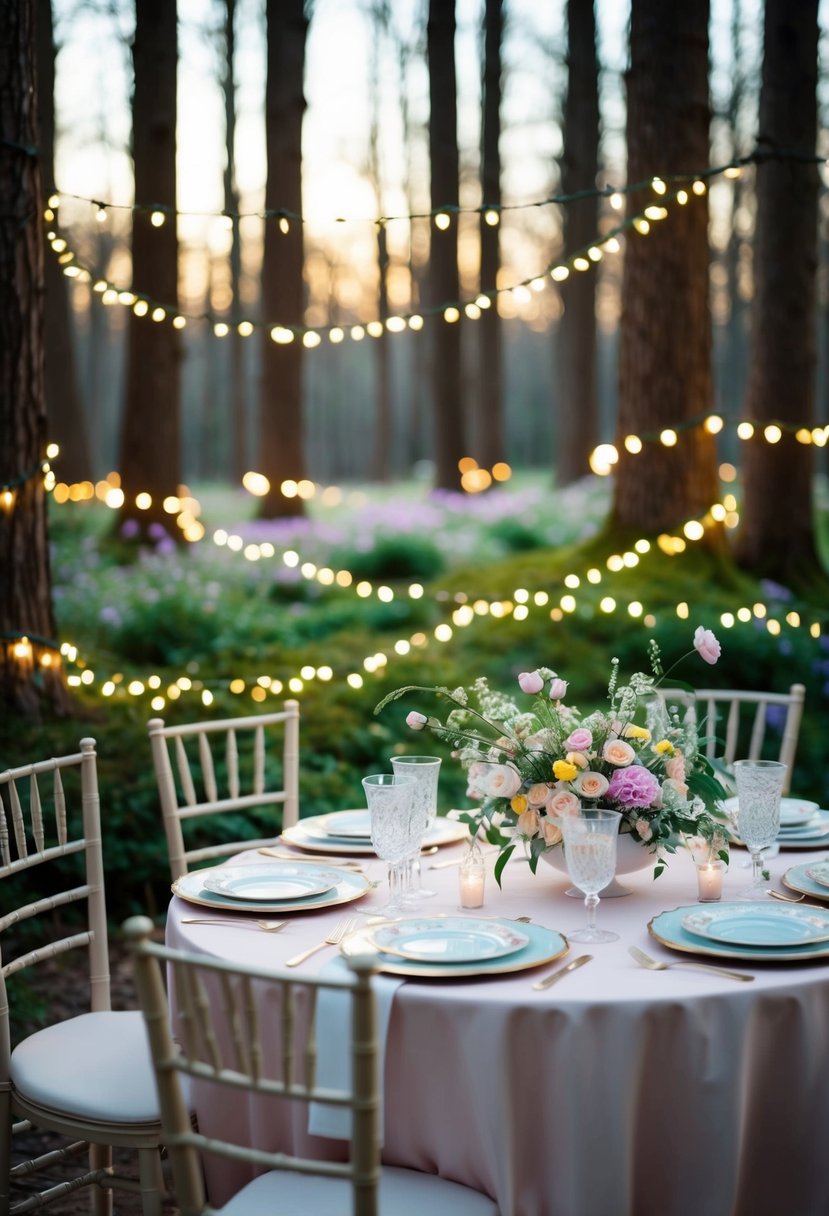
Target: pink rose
x,y
528,824
634,786
415,720
579,740
591,785
564,805
675,768
706,645
530,681
558,689
616,751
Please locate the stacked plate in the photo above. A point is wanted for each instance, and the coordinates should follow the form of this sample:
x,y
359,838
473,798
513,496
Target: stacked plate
x,y
803,825
350,832
761,932
278,886
810,878
454,947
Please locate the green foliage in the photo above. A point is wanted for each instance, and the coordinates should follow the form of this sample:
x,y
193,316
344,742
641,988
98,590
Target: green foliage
x,y
393,557
511,535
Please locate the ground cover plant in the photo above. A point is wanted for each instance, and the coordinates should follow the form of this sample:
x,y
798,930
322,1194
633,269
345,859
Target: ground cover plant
x,y
210,618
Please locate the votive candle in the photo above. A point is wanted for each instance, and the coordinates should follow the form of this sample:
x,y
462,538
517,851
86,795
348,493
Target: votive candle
x,y
472,875
709,881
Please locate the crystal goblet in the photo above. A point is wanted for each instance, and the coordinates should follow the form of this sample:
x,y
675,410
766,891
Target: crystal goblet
x,y
395,824
425,770
759,785
590,852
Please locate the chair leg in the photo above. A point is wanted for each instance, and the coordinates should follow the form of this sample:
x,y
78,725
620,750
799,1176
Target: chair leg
x,y
100,1157
5,1155
152,1181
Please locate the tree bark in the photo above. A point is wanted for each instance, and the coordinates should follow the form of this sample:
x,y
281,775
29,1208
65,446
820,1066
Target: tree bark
x,y
576,418
282,447
781,381
491,444
665,331
238,397
444,282
29,674
150,456
64,408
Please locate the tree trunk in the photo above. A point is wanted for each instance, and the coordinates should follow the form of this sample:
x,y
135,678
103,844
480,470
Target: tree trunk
x,y
491,445
282,449
237,395
444,283
781,381
29,669
665,330
577,427
64,409
381,453
150,456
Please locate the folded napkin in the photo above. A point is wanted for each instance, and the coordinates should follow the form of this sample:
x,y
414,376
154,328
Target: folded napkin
x,y
333,1038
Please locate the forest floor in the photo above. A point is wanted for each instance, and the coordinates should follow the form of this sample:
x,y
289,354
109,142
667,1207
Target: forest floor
x,y
66,989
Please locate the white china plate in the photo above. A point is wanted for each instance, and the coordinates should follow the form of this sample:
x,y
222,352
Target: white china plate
x,y
347,823
820,874
798,878
278,881
543,946
345,886
814,834
759,924
793,811
448,939
667,928
306,835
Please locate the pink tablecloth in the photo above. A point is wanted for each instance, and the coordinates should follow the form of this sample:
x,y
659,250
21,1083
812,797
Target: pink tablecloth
x,y
618,1092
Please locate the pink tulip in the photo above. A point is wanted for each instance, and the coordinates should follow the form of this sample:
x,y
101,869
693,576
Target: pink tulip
x,y
530,681
558,689
706,645
415,720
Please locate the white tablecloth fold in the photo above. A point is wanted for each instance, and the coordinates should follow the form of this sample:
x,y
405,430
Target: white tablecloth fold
x,y
332,1033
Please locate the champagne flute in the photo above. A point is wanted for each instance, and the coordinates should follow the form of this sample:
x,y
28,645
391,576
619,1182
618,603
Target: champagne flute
x,y
425,770
590,852
394,828
759,785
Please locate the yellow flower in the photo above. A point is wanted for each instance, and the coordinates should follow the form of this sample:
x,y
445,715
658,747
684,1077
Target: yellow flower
x,y
636,732
664,747
519,803
563,770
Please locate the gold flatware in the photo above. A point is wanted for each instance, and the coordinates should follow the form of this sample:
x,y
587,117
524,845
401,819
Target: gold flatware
x,y
652,964
443,865
269,926
315,858
573,965
334,938
787,899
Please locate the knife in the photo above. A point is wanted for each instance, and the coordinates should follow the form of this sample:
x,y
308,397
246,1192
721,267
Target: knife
x,y
556,975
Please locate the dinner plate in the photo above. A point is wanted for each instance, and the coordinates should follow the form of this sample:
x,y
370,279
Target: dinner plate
x,y
667,928
448,939
345,886
813,834
275,882
793,811
347,823
797,879
760,924
307,835
543,946
819,873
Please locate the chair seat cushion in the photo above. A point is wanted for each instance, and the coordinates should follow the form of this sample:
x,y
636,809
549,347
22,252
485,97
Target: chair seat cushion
x,y
402,1193
94,1066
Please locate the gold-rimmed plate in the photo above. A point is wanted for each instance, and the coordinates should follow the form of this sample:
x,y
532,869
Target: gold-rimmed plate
x,y
345,885
668,929
307,835
798,879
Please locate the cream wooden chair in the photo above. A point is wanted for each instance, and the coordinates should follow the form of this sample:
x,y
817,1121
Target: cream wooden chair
x,y
744,716
195,781
260,1056
90,1077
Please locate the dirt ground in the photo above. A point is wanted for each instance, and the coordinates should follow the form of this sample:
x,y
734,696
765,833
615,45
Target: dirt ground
x,y
67,998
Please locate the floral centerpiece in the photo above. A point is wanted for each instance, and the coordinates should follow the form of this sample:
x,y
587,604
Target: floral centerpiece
x,y
531,765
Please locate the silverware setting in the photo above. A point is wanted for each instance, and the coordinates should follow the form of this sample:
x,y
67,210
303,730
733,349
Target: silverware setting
x,y
787,899
652,964
269,926
314,858
555,976
340,930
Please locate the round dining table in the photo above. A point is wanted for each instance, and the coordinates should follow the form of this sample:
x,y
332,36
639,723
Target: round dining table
x,y
618,1091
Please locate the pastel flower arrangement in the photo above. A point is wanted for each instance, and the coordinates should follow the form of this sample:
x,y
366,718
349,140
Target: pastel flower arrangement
x,y
529,767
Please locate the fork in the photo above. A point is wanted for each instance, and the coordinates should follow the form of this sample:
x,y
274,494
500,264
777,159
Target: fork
x,y
645,960
334,938
269,926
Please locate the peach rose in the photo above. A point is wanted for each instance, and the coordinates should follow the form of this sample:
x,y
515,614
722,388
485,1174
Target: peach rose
x,y
499,781
617,752
551,832
643,829
529,824
591,785
564,804
675,768
680,786
539,794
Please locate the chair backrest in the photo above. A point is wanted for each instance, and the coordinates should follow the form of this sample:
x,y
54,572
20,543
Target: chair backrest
x,y
217,768
222,1041
744,724
48,811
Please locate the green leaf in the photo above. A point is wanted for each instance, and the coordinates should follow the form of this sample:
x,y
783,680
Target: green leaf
x,y
503,858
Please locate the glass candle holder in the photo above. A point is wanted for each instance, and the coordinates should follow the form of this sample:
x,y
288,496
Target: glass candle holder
x,y
472,878
709,881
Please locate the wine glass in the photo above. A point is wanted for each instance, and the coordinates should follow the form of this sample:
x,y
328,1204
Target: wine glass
x,y
759,785
425,770
590,852
395,824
